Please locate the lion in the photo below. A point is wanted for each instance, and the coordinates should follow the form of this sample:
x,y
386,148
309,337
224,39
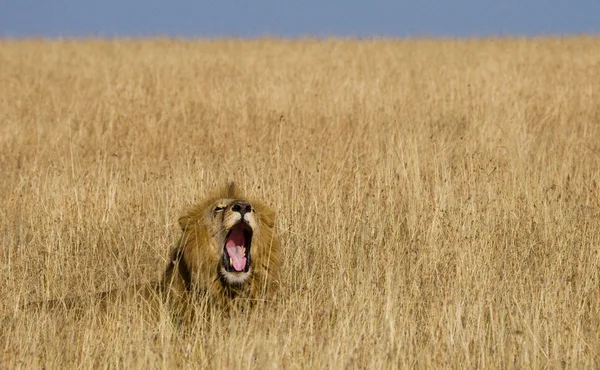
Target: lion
x,y
228,253
227,257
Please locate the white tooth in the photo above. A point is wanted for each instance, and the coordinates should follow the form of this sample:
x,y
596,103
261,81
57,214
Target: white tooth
x,y
244,250
230,261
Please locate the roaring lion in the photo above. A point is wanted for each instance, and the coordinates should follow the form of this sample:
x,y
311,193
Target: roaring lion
x,y
228,253
227,256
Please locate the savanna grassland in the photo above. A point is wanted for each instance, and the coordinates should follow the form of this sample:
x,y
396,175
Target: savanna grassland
x,y
438,201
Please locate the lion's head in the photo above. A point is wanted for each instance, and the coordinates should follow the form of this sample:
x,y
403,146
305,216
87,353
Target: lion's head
x,y
228,247
231,223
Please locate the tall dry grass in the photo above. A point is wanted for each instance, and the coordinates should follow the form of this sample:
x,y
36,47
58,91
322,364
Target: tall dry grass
x,y
438,201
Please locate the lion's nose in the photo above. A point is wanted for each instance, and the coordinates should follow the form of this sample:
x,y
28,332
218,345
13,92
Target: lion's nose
x,y
242,208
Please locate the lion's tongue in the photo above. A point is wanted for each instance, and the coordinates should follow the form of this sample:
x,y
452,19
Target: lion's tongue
x,y
234,247
236,254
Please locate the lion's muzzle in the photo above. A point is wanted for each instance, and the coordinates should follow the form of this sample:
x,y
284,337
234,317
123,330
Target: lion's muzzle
x,y
236,255
242,207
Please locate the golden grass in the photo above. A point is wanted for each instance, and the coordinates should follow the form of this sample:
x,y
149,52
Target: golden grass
x,y
438,201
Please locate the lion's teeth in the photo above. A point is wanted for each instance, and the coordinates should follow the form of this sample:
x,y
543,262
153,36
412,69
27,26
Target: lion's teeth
x,y
231,261
244,250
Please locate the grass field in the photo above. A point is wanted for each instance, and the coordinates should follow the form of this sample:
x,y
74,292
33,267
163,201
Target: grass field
x,y
438,200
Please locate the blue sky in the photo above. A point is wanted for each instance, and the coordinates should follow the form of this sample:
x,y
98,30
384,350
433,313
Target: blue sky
x,y
287,18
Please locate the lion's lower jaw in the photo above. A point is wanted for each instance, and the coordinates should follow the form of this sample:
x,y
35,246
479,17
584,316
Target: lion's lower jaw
x,y
235,278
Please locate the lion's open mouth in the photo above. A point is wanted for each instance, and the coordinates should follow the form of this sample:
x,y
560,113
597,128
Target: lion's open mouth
x,y
236,256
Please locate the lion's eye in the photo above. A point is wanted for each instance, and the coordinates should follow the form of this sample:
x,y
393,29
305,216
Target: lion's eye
x,y
218,209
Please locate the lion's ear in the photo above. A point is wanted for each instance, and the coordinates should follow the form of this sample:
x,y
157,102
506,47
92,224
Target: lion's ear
x,y
184,221
267,216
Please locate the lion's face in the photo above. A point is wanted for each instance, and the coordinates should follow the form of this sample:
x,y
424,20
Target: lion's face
x,y
233,224
228,249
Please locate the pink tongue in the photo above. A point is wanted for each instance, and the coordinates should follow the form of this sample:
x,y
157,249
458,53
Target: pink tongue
x,y
236,254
